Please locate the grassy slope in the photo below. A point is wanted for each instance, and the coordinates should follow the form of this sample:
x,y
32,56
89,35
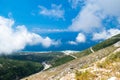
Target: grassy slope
x,y
107,42
55,59
99,46
19,66
36,57
14,69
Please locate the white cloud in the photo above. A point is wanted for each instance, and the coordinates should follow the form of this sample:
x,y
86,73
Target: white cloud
x,y
105,34
109,7
39,30
86,20
47,42
72,42
81,38
14,39
93,13
55,11
75,3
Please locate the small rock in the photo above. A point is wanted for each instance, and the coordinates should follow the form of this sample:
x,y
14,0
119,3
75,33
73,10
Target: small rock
x,y
112,78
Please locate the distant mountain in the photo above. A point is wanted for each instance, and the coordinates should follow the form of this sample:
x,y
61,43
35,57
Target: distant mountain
x,y
99,62
22,64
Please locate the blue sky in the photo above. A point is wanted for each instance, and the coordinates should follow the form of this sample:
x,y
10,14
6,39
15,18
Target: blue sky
x,y
58,24
27,12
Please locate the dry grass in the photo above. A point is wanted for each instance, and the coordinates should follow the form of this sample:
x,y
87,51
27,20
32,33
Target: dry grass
x,y
87,75
107,63
101,70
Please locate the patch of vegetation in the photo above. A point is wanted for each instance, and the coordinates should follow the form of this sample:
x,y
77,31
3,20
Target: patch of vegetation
x,y
85,66
62,60
87,75
36,57
14,69
115,57
53,58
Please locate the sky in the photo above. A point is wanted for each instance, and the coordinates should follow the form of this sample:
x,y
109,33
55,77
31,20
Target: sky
x,y
54,25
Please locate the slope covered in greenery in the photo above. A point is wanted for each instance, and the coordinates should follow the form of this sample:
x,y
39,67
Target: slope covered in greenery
x,y
14,69
107,42
19,65
99,46
36,57
53,58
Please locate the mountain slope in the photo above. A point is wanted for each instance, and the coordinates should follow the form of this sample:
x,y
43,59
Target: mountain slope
x,y
105,69
85,59
99,46
22,64
14,69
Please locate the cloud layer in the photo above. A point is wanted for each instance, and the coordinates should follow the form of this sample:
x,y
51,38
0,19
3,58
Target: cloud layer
x,y
14,39
75,3
55,11
39,30
79,39
93,13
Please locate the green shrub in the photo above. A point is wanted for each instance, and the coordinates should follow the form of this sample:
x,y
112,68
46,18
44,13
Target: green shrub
x,y
87,75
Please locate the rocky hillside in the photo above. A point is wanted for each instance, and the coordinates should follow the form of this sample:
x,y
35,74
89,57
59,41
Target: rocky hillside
x,y
105,69
99,62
